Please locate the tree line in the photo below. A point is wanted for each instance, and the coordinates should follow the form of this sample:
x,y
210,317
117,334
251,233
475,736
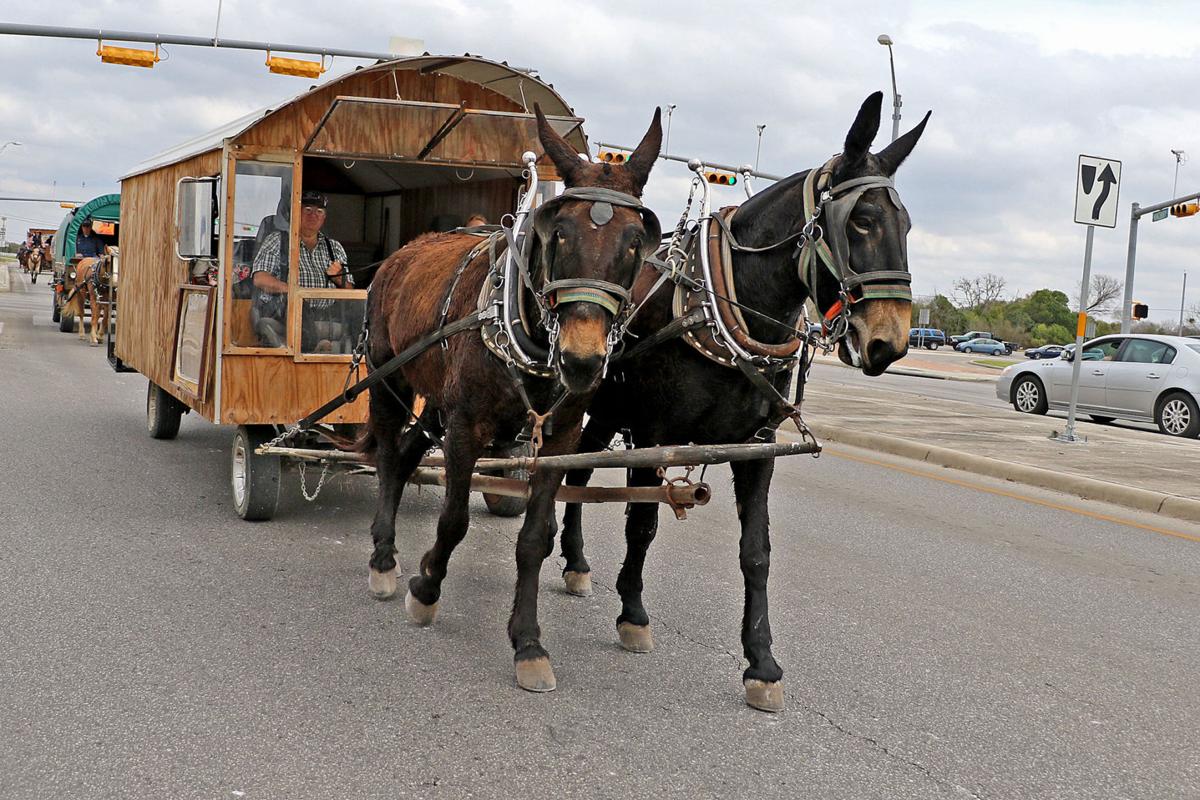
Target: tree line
x,y
1041,317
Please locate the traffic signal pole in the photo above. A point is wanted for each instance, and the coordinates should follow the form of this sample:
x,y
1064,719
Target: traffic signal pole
x,y
1136,214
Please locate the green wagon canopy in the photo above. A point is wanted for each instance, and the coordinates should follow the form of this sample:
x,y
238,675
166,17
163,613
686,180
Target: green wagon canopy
x,y
105,208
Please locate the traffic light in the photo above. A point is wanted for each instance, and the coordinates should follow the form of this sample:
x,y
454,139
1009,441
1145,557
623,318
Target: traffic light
x,y
129,56
720,178
609,157
1141,310
1185,209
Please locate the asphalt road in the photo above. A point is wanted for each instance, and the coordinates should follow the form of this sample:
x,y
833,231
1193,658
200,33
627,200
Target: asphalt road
x,y
942,636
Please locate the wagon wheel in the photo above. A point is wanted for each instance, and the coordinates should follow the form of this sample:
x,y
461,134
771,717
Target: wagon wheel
x,y
254,478
501,505
163,412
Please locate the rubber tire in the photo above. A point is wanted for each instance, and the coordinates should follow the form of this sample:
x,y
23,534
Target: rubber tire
x,y
66,324
934,346
500,505
1099,420
163,413
259,496
1041,406
1192,430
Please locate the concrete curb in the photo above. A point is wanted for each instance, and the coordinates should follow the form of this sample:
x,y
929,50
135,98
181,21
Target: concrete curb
x,y
5,286
1169,505
917,372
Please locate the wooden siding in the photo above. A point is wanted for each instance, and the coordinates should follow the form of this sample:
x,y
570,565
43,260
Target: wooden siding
x,y
258,390
291,126
151,273
419,207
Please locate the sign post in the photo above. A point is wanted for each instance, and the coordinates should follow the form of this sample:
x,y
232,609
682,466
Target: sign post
x,y
1097,187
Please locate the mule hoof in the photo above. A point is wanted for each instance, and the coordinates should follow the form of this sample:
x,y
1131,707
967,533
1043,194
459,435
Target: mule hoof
x,y
578,583
635,638
536,675
418,612
382,585
764,695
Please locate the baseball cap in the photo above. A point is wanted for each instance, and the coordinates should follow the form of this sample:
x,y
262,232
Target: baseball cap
x,y
312,198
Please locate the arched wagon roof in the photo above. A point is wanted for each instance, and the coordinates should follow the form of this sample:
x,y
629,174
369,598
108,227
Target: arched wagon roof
x,y
106,207
523,89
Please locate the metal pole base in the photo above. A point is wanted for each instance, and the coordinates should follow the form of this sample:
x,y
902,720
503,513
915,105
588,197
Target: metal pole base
x,y
1068,437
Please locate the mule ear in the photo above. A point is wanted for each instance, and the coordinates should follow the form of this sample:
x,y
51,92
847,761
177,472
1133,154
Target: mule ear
x,y
862,132
565,159
892,156
641,161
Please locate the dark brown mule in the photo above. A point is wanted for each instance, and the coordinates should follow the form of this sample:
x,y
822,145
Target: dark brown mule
x,y
474,398
671,394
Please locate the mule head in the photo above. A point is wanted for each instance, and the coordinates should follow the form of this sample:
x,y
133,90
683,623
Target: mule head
x,y
587,251
868,233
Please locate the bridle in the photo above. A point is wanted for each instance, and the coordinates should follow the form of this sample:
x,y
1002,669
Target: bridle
x,y
510,337
816,251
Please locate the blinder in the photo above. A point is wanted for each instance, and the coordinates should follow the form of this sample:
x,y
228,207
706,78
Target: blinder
x,y
609,296
828,245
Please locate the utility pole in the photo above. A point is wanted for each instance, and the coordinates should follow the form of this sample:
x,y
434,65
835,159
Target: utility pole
x,y
1182,295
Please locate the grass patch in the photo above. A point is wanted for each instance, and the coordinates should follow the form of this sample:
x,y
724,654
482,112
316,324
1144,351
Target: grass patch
x,y
993,363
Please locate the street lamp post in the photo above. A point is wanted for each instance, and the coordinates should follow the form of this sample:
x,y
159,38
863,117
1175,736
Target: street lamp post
x,y
1180,157
886,41
4,146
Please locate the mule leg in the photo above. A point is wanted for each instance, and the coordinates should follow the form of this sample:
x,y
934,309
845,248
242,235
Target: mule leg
x,y
464,444
763,679
395,459
641,525
535,542
577,573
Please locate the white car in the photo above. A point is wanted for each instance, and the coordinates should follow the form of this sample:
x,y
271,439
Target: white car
x,y
1138,377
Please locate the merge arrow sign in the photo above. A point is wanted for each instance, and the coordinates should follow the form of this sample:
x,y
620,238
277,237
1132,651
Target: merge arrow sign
x,y
1097,191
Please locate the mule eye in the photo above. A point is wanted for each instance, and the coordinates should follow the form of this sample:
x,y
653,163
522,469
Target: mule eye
x,y
560,237
861,224
637,245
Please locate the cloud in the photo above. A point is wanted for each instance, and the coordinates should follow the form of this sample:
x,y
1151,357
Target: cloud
x,y
1018,90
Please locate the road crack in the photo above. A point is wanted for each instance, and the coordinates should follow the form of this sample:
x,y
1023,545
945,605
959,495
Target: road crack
x,y
878,746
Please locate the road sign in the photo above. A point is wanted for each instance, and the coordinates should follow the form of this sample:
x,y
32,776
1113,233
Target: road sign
x,y
1097,186
1161,214
924,320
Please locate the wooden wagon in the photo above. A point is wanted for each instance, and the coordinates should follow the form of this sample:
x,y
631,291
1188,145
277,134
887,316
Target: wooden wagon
x,y
399,149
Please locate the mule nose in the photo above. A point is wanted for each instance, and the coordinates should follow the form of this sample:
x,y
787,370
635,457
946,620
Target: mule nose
x,y
581,373
880,353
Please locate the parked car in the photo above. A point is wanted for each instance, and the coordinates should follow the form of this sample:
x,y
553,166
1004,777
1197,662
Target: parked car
x,y
1045,351
929,338
1139,377
991,346
955,341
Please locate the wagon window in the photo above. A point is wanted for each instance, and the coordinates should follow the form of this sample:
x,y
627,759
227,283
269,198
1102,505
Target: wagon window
x,y
330,326
261,234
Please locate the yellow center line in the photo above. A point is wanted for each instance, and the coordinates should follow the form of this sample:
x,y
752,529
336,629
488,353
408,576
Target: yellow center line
x,y
1011,495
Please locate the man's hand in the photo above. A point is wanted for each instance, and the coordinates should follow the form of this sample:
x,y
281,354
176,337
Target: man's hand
x,y
336,272
269,283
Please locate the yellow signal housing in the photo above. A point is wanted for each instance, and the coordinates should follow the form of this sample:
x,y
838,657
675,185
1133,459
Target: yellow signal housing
x,y
610,157
295,66
129,56
721,178
1185,209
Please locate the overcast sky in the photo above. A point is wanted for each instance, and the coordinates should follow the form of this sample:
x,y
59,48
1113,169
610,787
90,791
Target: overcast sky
x,y
1018,91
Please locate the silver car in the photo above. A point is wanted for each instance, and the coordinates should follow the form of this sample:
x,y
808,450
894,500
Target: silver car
x,y
1138,377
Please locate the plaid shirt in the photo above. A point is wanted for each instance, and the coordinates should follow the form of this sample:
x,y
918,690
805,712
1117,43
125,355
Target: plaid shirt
x,y
313,264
